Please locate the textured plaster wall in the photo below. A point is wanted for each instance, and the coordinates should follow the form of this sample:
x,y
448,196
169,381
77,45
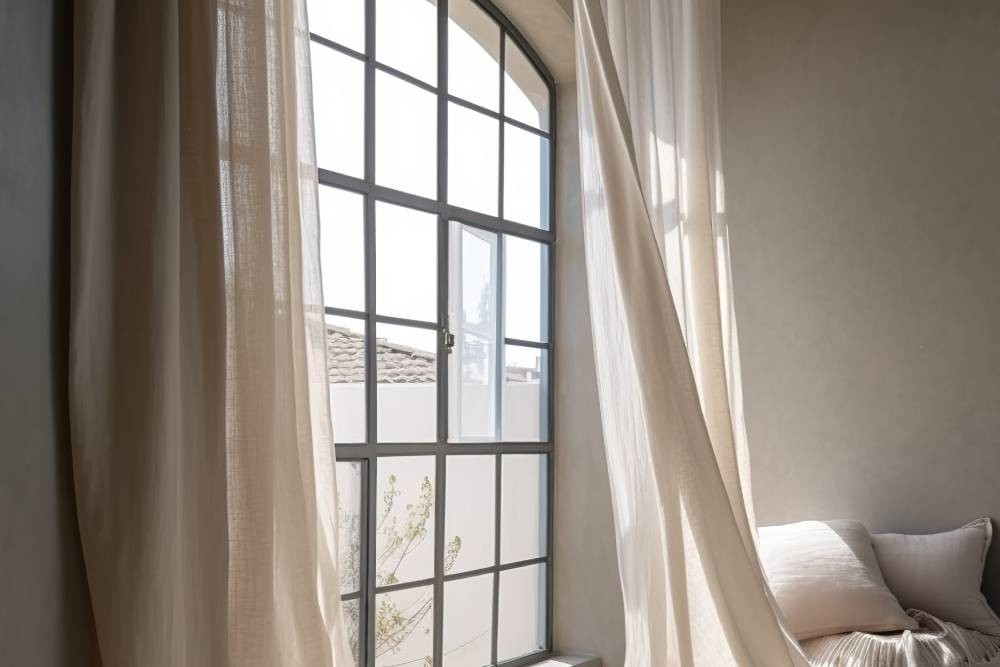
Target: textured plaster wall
x,y
862,157
589,614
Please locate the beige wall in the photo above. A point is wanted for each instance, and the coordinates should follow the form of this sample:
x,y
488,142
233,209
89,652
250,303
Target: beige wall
x,y
862,151
589,613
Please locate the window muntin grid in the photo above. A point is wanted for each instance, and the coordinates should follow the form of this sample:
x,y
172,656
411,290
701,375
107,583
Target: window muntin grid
x,y
528,223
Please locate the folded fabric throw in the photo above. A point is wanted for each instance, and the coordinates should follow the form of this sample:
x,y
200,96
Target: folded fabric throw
x,y
935,643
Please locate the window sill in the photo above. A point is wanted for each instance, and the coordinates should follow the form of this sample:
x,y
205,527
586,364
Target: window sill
x,y
568,661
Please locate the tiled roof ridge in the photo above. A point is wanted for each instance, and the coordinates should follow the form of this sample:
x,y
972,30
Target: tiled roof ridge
x,y
396,363
344,331
384,342
405,349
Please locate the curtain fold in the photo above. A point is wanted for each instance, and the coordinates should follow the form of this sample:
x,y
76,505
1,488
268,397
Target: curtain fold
x,y
665,337
202,445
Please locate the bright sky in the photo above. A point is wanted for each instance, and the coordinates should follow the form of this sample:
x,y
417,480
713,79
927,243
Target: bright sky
x,y
405,127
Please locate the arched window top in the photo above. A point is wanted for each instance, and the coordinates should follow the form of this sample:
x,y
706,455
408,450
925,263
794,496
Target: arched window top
x,y
476,75
434,130
475,32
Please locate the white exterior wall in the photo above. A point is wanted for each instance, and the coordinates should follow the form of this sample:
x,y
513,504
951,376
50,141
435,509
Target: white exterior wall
x,y
413,411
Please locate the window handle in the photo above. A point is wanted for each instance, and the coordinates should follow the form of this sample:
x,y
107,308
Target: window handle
x,y
449,340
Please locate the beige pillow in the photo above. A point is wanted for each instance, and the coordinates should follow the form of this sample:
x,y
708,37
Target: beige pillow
x,y
941,573
826,580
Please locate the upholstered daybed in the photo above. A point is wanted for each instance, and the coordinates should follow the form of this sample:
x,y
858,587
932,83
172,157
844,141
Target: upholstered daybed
x,y
936,642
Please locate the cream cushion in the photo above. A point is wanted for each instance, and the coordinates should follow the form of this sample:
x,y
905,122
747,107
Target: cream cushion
x,y
941,573
826,579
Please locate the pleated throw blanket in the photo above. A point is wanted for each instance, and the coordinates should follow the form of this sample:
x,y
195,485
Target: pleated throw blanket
x,y
935,643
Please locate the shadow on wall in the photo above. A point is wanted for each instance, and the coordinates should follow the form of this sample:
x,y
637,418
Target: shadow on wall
x,y
46,617
79,645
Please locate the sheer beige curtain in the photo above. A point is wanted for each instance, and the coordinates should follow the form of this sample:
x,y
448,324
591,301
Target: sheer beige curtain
x,y
201,434
665,336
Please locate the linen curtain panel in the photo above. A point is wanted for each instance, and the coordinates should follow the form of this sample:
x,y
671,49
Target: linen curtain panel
x,y
665,337
202,444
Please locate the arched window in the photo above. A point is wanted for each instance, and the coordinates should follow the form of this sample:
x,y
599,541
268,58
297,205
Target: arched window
x,y
434,133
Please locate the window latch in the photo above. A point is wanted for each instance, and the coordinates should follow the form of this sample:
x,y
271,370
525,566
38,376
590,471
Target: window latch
x,y
449,340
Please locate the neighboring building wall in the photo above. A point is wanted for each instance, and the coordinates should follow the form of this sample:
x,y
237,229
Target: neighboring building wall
x,y
410,409
45,618
862,162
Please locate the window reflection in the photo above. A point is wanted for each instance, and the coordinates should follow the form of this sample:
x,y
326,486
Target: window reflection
x,y
472,363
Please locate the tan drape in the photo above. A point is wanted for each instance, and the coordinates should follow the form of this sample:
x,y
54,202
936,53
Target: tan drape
x,y
202,444
665,337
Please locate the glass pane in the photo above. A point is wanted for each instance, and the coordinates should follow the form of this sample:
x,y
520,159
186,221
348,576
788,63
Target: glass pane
x,y
525,394
473,160
404,544
345,350
342,247
352,619
526,288
472,316
473,54
526,177
405,136
338,86
407,384
523,507
341,21
521,618
469,523
349,513
468,621
525,95
406,37
405,262
404,627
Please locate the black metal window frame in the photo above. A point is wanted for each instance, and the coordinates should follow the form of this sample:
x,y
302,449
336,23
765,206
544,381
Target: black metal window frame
x,y
368,453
